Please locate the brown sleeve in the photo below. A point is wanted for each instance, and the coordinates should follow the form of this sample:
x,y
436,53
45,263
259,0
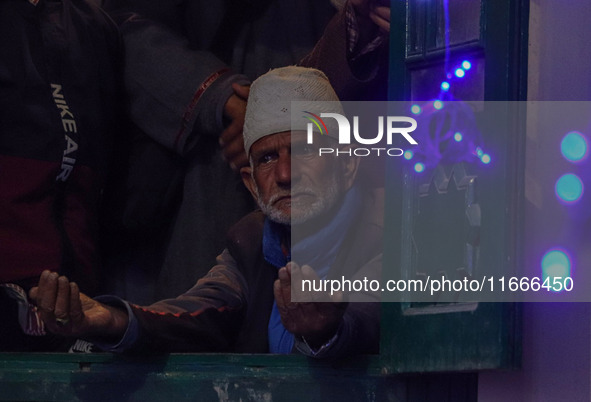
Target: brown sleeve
x,y
204,319
330,55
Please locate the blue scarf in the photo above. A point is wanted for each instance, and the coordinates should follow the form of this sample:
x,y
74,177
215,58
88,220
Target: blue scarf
x,y
318,251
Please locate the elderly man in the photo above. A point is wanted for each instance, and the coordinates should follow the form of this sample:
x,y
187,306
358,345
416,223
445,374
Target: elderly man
x,y
309,205
181,59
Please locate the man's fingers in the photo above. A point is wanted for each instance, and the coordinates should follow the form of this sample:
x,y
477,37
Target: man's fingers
x,y
47,293
233,151
308,273
52,297
285,281
62,301
235,108
284,304
33,294
382,12
236,158
282,289
337,297
298,274
381,17
290,268
278,294
76,314
292,284
241,90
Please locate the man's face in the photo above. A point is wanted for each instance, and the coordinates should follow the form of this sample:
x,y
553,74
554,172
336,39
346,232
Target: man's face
x,y
290,182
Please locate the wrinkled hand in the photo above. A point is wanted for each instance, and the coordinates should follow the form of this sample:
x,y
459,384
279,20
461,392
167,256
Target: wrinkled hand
x,y
231,139
379,15
317,321
66,311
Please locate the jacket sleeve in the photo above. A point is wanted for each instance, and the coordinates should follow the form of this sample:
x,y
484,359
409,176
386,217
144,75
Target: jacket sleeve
x,y
176,93
204,319
352,78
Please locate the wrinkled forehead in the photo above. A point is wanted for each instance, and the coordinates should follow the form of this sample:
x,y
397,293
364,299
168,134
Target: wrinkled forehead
x,y
271,142
287,139
276,141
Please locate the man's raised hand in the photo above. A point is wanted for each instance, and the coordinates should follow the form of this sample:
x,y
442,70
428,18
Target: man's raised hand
x,y
317,319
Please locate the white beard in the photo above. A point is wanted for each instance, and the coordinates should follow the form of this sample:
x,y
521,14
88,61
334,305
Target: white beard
x,y
302,212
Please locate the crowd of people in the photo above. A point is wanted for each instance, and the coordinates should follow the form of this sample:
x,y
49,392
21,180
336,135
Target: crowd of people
x,y
132,146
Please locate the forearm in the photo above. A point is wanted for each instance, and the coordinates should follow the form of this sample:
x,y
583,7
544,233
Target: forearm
x,y
208,329
204,319
124,333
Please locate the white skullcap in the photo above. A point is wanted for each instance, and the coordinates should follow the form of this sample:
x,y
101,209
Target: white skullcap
x,y
268,110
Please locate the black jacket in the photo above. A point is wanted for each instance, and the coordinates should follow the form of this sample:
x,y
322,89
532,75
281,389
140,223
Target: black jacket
x,y
59,107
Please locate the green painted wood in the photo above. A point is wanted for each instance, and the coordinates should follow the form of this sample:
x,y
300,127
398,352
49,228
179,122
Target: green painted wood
x,y
181,377
216,377
422,337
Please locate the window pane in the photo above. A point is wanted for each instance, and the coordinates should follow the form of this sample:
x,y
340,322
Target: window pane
x,y
415,40
464,22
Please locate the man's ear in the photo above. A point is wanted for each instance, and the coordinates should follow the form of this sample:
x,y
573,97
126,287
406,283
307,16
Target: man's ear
x,y
349,167
247,179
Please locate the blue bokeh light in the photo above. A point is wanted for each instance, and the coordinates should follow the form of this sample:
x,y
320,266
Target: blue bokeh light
x,y
458,136
415,109
569,188
445,86
485,159
419,167
460,73
466,65
438,105
574,147
408,154
556,262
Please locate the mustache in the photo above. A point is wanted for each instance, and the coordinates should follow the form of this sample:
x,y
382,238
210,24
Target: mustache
x,y
287,193
277,196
